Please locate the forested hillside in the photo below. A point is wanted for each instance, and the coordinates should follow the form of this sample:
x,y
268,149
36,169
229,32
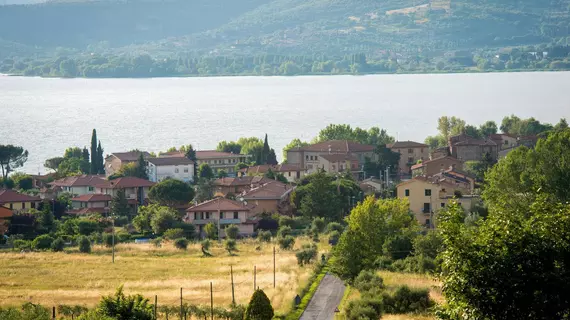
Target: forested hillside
x,y
457,33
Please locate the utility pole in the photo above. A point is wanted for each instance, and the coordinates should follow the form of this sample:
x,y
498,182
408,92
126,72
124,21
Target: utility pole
x,y
181,307
155,306
113,237
274,282
233,294
211,301
254,278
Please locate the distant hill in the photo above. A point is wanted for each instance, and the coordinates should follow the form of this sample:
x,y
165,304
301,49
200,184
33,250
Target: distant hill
x,y
288,27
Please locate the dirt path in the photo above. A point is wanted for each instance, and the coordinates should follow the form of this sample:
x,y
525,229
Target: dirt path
x,y
326,299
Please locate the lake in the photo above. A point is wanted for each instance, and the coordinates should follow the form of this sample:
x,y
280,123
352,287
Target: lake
x,y
48,115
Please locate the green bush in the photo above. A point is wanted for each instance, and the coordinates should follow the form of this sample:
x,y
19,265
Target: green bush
x,y
22,244
57,245
231,246
398,247
122,237
108,240
205,247
96,238
84,244
211,231
318,225
334,237
307,254
120,306
415,264
406,300
334,226
368,282
429,245
189,229
259,307
284,231
172,234
232,231
86,227
286,243
28,311
157,242
364,309
264,236
383,263
286,221
42,242
181,243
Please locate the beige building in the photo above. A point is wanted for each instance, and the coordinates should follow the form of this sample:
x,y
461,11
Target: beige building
x,y
410,153
114,161
504,141
271,197
431,167
17,202
309,157
217,160
78,185
467,148
290,171
221,212
89,204
340,163
136,189
225,186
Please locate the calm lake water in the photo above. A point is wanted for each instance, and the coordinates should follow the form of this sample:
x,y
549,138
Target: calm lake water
x,y
48,115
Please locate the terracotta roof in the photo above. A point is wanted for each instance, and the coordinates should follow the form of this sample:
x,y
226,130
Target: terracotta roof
x,y
172,154
241,181
211,154
271,190
277,168
130,156
5,213
93,198
125,182
221,204
499,136
475,142
170,161
7,196
43,176
78,181
337,146
339,157
419,165
406,144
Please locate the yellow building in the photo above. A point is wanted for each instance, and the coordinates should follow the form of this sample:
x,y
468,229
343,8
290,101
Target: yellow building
x,y
16,201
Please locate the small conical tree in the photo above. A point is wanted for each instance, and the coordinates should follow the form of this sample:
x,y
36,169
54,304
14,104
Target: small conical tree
x,y
94,167
265,152
100,161
259,307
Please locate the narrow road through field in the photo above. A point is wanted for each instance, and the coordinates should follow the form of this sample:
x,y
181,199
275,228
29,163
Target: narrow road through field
x,y
326,299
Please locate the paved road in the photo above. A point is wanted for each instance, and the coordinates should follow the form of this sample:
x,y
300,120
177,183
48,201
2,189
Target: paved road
x,y
326,299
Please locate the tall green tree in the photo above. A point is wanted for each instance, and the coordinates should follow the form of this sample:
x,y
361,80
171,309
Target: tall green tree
x,y
141,168
319,198
450,126
488,128
229,146
100,160
295,143
94,160
53,163
171,192
119,204
205,172
11,157
266,150
272,158
85,155
259,307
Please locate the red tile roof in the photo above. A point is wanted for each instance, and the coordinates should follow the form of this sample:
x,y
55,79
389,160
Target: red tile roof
x,y
5,213
86,211
475,142
131,155
221,204
406,144
339,157
125,182
241,181
211,154
262,169
93,198
7,196
337,146
170,161
172,154
419,165
79,181
271,190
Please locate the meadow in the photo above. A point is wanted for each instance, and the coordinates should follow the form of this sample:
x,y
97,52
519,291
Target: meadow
x,y
74,278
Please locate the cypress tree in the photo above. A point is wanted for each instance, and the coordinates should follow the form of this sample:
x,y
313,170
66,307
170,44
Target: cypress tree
x,y
94,167
100,161
259,307
85,154
265,152
141,168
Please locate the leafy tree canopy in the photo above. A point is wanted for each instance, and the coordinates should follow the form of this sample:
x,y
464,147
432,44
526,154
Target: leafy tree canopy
x,y
171,192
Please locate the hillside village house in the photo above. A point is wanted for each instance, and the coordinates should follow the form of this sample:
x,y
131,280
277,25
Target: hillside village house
x,y
136,189
222,212
309,157
291,172
90,203
504,141
5,217
17,202
430,167
78,185
271,197
215,159
467,148
114,161
410,153
225,186
339,163
180,168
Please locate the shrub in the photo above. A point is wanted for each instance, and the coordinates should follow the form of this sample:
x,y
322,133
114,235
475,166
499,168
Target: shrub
x,y
121,221
284,231
205,246
84,244
22,244
211,231
285,221
86,227
415,264
172,234
406,300
398,247
334,226
364,309
57,245
232,231
333,237
264,236
259,307
383,263
96,238
268,222
181,243
28,311
429,245
319,224
231,246
188,228
120,306
307,254
368,281
286,243
157,242
122,237
108,240
42,242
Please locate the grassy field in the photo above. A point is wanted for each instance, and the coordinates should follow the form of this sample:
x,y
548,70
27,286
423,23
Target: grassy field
x,y
74,278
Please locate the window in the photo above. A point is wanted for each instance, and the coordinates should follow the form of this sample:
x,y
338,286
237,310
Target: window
x,y
91,188
289,173
176,170
11,206
410,160
33,205
333,167
185,169
428,222
427,208
410,150
23,205
428,192
306,157
236,215
407,192
443,204
221,215
422,150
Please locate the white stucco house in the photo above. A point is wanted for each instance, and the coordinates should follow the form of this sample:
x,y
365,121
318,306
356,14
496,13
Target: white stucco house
x,y
172,167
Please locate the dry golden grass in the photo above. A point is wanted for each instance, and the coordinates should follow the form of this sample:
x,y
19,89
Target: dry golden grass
x,y
394,279
75,278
